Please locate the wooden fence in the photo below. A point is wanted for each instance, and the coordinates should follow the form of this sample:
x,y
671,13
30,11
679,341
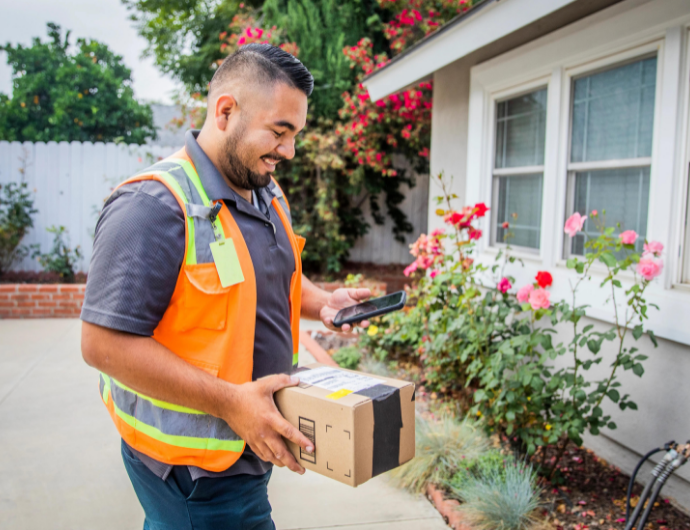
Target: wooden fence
x,y
70,181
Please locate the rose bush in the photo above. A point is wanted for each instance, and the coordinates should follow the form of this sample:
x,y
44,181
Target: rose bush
x,y
493,350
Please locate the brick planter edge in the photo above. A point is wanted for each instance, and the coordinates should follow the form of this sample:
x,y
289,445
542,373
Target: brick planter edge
x,y
28,300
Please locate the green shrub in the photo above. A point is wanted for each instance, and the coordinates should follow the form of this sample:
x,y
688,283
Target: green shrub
x,y
493,350
441,448
16,209
61,259
348,357
486,464
373,366
502,499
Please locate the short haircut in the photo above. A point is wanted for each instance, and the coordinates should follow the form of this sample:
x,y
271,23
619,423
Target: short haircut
x,y
266,64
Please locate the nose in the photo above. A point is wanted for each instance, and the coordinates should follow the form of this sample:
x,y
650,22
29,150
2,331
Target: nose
x,y
286,148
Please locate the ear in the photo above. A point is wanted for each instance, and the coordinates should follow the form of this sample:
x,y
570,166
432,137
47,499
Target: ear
x,y
226,105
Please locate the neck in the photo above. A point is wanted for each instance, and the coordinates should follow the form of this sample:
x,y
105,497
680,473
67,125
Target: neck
x,y
210,147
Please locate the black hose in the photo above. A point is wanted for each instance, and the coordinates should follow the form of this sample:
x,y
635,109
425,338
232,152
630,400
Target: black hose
x,y
640,504
632,479
659,484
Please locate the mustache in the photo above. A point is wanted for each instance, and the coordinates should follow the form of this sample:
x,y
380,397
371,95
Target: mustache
x,y
274,156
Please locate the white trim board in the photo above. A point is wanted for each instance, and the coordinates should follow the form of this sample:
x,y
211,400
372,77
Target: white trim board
x,y
492,23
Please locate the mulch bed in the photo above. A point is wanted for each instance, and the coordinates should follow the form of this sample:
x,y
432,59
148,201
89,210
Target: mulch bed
x,y
391,274
593,495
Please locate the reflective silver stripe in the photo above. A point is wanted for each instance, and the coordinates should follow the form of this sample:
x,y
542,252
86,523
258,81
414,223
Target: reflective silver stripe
x,y
171,421
198,210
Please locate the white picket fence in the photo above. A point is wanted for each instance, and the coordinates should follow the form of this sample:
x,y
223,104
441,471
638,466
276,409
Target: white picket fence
x,y
70,182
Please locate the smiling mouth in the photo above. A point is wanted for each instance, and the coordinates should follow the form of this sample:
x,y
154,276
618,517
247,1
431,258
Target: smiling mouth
x,y
271,162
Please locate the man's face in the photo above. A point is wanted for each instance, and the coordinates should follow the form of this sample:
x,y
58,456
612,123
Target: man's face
x,y
262,134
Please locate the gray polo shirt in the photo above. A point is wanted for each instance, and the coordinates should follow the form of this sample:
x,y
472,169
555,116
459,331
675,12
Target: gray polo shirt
x,y
137,254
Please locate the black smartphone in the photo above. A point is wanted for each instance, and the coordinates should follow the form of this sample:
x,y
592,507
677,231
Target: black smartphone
x,y
370,308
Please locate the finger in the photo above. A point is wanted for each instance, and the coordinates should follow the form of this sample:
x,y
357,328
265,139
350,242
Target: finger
x,y
264,452
283,455
359,294
280,381
364,324
345,327
288,431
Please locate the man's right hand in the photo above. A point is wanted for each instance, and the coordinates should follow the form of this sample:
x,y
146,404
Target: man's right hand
x,y
253,415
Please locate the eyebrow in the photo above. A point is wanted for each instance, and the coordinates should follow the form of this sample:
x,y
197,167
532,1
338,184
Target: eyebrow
x,y
286,124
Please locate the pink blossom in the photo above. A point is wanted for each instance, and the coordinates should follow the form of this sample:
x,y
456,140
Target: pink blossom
x,y
437,232
574,224
594,213
410,268
434,273
504,285
654,248
539,299
628,237
523,294
649,268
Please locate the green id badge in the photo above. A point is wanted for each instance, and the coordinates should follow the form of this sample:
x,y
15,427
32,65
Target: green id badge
x,y
227,262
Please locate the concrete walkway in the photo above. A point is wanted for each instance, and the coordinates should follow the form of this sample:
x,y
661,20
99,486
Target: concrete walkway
x,y
60,466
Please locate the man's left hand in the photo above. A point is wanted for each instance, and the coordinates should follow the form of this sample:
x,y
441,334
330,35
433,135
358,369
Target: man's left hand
x,y
340,299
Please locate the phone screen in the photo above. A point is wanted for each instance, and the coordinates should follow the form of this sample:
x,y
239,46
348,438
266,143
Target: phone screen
x,y
369,306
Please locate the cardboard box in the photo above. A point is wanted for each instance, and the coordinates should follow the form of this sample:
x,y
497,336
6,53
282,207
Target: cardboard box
x,y
362,425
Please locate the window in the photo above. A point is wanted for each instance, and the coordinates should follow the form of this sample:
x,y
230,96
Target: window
x,y
611,148
519,168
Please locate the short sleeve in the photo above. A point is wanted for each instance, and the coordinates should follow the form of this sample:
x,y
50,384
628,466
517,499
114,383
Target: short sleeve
x,y
137,254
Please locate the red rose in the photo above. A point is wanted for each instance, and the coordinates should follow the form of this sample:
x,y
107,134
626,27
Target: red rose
x,y
480,209
544,279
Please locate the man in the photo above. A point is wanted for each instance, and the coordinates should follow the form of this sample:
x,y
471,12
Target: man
x,y
193,303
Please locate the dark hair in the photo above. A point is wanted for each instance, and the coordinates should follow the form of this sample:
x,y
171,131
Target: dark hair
x,y
268,64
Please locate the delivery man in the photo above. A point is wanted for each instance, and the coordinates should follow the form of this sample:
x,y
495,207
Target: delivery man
x,y
193,303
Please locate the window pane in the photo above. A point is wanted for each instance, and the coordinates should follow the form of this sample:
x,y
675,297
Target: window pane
x,y
519,203
521,130
623,193
613,113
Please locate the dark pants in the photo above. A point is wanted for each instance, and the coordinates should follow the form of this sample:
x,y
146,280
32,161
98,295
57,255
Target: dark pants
x,y
239,502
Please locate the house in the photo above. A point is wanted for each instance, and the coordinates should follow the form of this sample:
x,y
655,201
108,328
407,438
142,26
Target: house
x,y
547,107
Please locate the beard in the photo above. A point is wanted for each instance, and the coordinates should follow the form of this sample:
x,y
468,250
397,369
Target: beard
x,y
236,169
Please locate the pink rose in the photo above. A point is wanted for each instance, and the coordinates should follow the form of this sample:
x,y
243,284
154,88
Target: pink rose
x,y
433,274
523,294
539,299
654,248
574,224
594,213
504,285
628,237
410,268
438,232
649,268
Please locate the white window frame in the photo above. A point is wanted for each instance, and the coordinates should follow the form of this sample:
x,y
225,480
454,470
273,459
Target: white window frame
x,y
496,173
623,32
593,68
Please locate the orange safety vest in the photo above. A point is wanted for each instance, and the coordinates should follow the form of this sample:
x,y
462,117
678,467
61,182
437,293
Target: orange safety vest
x,y
206,324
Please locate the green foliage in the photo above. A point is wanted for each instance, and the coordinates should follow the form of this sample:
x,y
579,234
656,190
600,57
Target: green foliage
x,y
183,35
348,357
489,463
16,209
480,345
501,498
61,259
441,448
321,29
64,95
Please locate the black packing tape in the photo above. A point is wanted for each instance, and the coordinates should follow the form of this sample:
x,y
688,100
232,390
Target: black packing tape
x,y
387,425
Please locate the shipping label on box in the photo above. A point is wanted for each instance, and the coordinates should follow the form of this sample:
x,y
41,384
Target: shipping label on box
x,y
361,425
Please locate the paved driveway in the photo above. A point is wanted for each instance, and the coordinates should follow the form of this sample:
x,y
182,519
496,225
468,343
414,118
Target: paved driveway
x,y
60,464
